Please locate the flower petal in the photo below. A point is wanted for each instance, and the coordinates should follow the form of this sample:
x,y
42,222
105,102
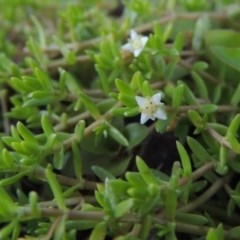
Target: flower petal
x,y
133,34
144,118
127,47
156,98
160,114
140,101
137,52
144,40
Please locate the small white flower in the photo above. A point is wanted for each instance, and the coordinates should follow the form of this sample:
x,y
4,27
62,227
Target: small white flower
x,y
135,44
151,108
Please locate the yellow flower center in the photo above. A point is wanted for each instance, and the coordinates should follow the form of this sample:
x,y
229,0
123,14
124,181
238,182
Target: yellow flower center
x,y
150,108
136,43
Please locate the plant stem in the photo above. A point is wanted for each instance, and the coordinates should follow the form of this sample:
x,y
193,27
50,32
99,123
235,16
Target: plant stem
x,y
206,195
219,138
220,108
67,181
197,173
3,102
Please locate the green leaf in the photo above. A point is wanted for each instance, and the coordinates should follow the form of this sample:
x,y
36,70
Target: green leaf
x,y
79,130
123,207
178,95
90,105
60,231
215,233
145,172
124,87
222,37
235,232
101,173
99,232
71,84
234,125
200,85
179,41
135,133
208,108
137,81
202,25
55,187
170,203
232,133
43,79
127,100
118,168
26,134
35,49
186,163
40,30
77,160
106,104
46,125
146,89
190,218
222,167
131,112
106,86
119,112
229,56
7,206
117,135
235,99
69,55
196,119
13,179
135,179
189,96
146,227
58,157
198,150
33,202
40,98
8,158
199,66
7,230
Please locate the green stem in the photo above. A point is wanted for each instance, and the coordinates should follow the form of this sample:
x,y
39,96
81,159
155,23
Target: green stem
x,y
206,195
219,138
67,181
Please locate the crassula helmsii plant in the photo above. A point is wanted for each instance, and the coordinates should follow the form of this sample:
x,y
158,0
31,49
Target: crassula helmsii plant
x,y
120,119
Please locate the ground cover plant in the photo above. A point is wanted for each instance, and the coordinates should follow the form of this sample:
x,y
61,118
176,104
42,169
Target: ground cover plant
x,y
119,119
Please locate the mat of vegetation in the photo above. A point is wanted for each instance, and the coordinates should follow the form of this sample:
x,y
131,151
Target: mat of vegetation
x,y
120,119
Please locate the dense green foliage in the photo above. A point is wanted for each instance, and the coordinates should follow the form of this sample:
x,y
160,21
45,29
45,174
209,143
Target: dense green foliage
x,y
74,160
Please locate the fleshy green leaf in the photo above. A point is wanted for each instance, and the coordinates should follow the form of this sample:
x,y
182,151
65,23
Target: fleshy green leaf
x,y
124,87
26,134
117,135
46,125
123,207
230,56
178,95
200,84
90,105
102,173
186,163
190,218
135,133
55,187
215,233
145,172
99,232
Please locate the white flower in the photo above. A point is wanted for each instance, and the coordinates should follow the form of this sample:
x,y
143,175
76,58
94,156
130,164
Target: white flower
x,y
135,44
151,108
